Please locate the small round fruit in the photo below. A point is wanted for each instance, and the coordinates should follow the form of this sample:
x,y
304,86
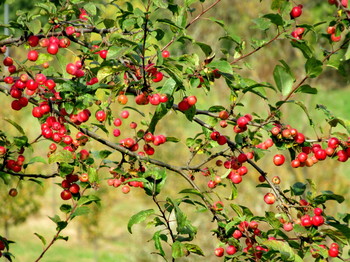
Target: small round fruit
x,y
335,38
100,115
13,192
288,227
269,198
278,159
33,55
66,194
158,77
74,188
125,189
219,251
165,54
333,252
231,250
84,177
296,11
242,121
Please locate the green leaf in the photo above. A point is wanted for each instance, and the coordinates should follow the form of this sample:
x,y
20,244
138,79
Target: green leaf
x,y
61,225
103,154
34,26
61,157
272,220
17,126
328,195
237,209
285,251
207,50
234,193
194,249
222,65
298,188
262,23
307,89
190,113
86,200
66,208
160,3
90,8
62,238
139,217
20,141
135,109
191,191
343,228
301,104
275,19
93,176
313,67
80,211
177,249
41,238
157,242
115,52
37,159
283,80
303,47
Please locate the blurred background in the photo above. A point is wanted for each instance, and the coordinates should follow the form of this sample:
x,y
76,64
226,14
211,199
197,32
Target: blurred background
x,y
102,235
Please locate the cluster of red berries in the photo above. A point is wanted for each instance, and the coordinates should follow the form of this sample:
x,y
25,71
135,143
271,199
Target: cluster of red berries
x,y
70,188
187,102
153,99
247,230
119,180
242,123
15,165
40,84
76,69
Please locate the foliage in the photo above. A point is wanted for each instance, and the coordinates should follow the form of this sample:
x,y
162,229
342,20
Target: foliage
x,y
82,61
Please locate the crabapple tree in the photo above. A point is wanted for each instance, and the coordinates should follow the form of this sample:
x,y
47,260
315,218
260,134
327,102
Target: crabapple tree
x,y
102,86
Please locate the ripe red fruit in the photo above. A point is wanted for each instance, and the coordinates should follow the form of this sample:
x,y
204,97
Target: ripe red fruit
x,y
100,115
288,227
191,100
278,159
335,38
211,184
219,251
12,69
321,154
333,252
165,54
183,105
318,211
296,11
237,234
71,68
330,30
64,42
242,121
317,221
3,150
70,30
295,163
13,192
124,114
236,178
33,40
66,194
306,221
74,188
231,250
157,77
269,198
116,132
52,48
103,54
8,61
117,122
32,55
222,140
125,189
